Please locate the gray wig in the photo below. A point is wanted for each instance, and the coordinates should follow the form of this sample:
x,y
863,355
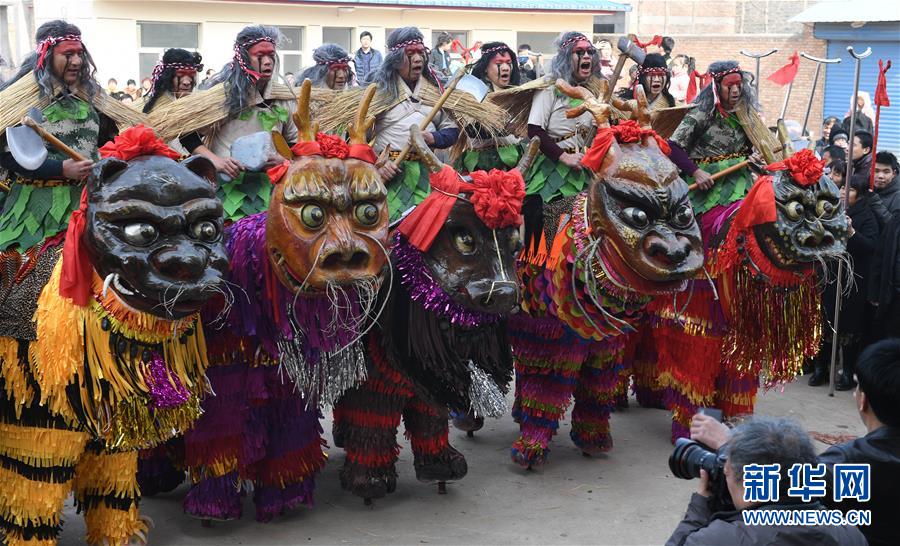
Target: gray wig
x,y
238,84
769,440
324,55
561,66
44,76
385,76
706,101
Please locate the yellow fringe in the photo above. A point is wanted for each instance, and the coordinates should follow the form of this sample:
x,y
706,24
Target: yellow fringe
x,y
107,474
17,389
25,501
114,394
114,527
15,539
41,447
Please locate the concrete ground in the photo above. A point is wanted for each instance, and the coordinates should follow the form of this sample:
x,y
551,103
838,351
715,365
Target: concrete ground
x,y
627,497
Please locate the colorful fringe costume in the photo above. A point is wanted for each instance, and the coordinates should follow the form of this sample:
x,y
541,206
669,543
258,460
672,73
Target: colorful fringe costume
x,y
432,353
753,319
566,345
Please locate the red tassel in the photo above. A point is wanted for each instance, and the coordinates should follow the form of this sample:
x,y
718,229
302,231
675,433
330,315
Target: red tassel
x,y
786,73
77,271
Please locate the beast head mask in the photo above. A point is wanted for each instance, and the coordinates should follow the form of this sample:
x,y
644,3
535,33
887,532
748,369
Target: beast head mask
x,y
154,232
637,204
328,219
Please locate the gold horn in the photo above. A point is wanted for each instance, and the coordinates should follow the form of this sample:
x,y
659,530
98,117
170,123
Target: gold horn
x,y
358,127
306,129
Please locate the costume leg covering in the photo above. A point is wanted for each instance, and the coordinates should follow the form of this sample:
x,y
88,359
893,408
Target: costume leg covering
x,y
595,397
428,433
106,491
37,470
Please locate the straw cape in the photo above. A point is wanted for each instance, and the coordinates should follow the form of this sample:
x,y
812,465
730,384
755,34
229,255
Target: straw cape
x,y
202,109
18,98
461,105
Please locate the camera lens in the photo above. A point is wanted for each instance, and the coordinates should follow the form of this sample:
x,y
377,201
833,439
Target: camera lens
x,y
689,457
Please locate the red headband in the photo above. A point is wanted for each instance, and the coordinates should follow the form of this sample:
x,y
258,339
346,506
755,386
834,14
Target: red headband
x,y
496,196
248,45
402,45
572,40
77,271
43,47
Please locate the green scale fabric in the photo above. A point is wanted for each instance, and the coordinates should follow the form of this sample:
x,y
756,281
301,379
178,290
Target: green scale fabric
x,y
30,214
485,159
245,195
552,180
726,190
409,188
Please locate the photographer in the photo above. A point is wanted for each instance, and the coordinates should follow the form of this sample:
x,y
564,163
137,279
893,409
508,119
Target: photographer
x,y
877,398
762,441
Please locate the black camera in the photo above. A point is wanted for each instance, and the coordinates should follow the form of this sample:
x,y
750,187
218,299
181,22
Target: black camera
x,y
686,461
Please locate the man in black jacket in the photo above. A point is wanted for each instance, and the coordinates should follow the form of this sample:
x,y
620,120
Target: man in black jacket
x,y
877,399
886,199
760,441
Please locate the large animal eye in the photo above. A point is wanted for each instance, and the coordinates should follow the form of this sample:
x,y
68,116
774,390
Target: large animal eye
x,y
313,216
794,210
139,233
636,217
366,214
825,208
464,242
205,231
683,217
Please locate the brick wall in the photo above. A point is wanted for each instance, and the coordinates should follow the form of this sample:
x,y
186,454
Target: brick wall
x,y
718,30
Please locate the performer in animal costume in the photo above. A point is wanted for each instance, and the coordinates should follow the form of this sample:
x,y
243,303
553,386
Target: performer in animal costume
x,y
722,130
239,100
108,355
654,76
58,79
407,92
309,270
174,77
758,316
629,236
478,149
332,68
441,342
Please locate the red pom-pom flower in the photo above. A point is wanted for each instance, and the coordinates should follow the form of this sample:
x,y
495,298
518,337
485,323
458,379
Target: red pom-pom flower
x,y
137,141
805,168
333,146
497,197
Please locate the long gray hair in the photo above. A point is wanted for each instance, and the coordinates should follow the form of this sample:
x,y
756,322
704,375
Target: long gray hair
x,y
43,75
705,100
324,55
385,77
561,66
238,84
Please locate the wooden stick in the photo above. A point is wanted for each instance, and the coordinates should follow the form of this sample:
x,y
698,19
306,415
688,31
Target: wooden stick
x,y
434,110
729,170
620,64
55,142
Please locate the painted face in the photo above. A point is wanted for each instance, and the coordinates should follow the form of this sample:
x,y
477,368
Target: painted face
x,y
337,77
640,207
655,85
262,59
183,82
68,58
730,90
582,60
477,273
413,63
326,220
156,226
810,223
499,70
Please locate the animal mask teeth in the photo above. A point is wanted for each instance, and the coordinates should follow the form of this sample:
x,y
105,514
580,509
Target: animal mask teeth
x,y
117,284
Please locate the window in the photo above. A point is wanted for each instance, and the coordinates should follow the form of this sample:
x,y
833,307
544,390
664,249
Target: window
x,y
155,38
461,35
291,50
540,42
341,36
610,23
